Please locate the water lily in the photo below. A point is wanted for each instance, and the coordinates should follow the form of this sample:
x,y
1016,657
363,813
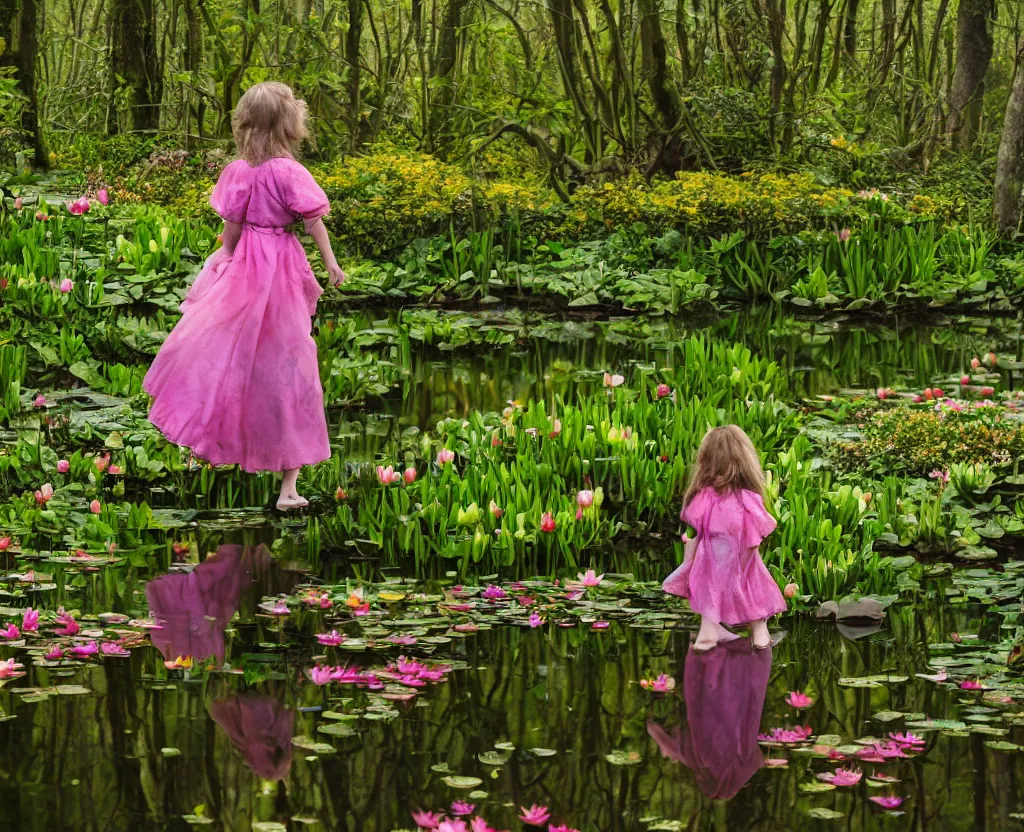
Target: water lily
x,y
971,684
451,825
445,455
589,578
786,735
409,475
9,669
599,625
907,740
478,824
88,648
30,620
102,196
320,675
460,808
562,828
54,654
331,639
63,466
112,648
95,507
843,777
388,475
613,380
887,801
66,285
426,820
535,620
68,625
585,499
494,593
663,391
535,815
280,608
11,633
39,401
662,684
547,522
799,700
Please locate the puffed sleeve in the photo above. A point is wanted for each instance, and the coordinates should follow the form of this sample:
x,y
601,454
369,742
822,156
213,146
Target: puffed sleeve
x,y
230,197
757,522
302,195
693,512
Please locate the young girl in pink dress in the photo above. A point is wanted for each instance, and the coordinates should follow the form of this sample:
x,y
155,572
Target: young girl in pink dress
x,y
722,574
237,380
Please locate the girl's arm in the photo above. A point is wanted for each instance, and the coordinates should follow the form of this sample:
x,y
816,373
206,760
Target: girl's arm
x,y
319,234
229,236
689,548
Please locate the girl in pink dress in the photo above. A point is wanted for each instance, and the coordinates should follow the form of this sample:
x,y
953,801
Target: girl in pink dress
x,y
237,380
722,574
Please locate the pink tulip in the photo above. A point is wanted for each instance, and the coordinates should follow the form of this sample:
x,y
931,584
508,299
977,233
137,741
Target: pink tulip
x,y
975,363
590,578
556,428
547,522
5,543
664,390
887,801
39,401
965,380
992,360
987,391
17,203
101,463
95,507
613,380
937,392
585,499
844,235
535,815
79,206
63,466
41,216
971,684
30,620
799,700
791,590
409,475
331,639
426,820
388,475
102,196
444,456
46,491
66,285
496,511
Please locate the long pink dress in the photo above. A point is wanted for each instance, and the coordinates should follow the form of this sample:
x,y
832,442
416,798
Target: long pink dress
x,y
237,379
726,580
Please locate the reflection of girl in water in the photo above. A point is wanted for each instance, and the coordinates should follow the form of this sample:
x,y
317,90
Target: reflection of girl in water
x,y
724,691
260,727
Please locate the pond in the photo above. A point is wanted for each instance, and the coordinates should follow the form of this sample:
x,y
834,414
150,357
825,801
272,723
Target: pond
x,y
515,716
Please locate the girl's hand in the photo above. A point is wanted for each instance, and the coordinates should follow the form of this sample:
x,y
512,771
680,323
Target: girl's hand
x,y
337,276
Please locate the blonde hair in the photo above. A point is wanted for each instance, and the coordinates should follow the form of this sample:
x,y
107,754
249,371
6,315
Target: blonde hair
x,y
726,461
268,122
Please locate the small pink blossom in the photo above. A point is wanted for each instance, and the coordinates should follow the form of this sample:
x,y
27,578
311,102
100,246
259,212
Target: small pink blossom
x,y
445,455
535,815
320,675
664,390
799,700
589,578
54,654
887,801
426,820
842,776
331,639
451,825
907,740
971,684
66,285
661,684
9,669
939,475
409,475
494,593
585,499
39,401
280,608
79,206
599,625
102,196
112,648
30,620
95,507
786,735
547,522
88,648
63,466
844,235
613,381
496,511
387,476
68,625
5,543
17,203
535,620
11,633
791,590
460,808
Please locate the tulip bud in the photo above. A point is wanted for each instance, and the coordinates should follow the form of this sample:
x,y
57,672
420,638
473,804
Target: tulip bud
x,y
791,590
975,363
63,466
17,203
95,507
965,380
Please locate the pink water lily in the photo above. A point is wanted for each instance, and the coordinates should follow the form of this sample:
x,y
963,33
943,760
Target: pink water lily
x,y
843,235
562,828
661,684
11,633
280,608
494,593
39,401
589,578
460,808
451,825
112,648
971,684
331,639
786,735
887,801
30,620
478,824
799,700
535,815
426,820
54,654
320,675
387,476
535,620
842,777
599,625
444,456
68,625
9,669
613,380
585,499
88,648
908,740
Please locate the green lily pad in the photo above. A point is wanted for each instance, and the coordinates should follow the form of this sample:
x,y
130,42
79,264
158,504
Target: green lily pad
x,y
459,782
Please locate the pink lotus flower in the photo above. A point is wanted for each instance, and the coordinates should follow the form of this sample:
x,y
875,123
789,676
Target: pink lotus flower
x,y
63,466
494,593
102,196
843,777
799,700
613,380
971,684
535,815
68,625
662,684
89,648
461,808
585,499
79,206
5,543
887,801
9,669
112,648
54,654
786,735
547,522
444,456
39,401
66,285
589,578
535,620
30,620
496,511
388,475
791,590
409,475
12,633
95,507
331,639
907,740
599,625
320,675
426,820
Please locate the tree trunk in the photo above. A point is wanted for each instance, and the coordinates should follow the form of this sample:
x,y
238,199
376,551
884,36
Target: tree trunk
x,y
27,50
974,51
194,61
354,78
1006,203
445,59
135,60
850,28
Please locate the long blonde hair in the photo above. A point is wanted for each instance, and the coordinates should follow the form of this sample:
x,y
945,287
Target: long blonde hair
x,y
268,122
726,461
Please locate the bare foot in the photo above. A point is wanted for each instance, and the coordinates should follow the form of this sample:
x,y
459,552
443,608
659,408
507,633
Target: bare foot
x,y
289,501
760,636
711,633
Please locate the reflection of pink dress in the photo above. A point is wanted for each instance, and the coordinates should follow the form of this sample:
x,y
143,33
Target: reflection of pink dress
x,y
724,689
726,579
237,380
261,728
